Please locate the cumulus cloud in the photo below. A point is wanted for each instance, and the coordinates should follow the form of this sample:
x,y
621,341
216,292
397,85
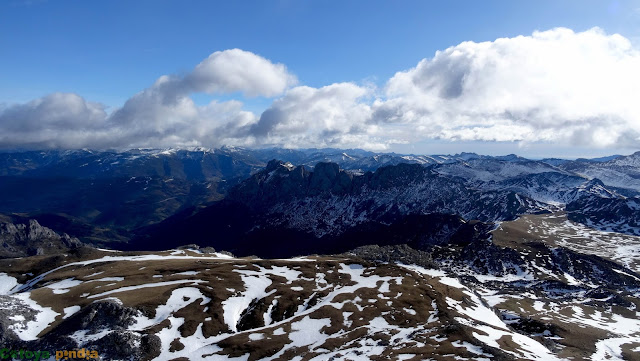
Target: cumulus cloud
x,y
554,86
160,116
237,70
331,116
38,124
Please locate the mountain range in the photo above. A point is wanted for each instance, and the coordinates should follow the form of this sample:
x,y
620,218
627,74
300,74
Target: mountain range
x,y
101,197
321,254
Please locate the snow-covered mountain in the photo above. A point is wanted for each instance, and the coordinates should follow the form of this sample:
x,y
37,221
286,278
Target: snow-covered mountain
x,y
401,257
621,172
122,191
537,180
327,202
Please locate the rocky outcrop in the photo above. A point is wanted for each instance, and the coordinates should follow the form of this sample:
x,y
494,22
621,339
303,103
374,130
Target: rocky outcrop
x,y
30,239
106,315
394,254
98,316
108,319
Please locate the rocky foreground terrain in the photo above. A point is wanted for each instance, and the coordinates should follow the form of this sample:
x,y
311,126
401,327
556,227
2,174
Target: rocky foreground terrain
x,y
537,288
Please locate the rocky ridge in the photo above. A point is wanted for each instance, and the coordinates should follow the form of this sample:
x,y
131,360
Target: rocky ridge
x,y
29,238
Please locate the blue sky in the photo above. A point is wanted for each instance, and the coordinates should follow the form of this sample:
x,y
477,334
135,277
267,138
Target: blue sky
x,y
107,51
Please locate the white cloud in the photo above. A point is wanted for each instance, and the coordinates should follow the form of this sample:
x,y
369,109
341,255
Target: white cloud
x,y
237,70
68,121
160,116
38,124
555,86
331,116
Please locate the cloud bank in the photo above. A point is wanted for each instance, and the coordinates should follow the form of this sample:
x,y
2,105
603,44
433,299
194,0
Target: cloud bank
x,y
555,86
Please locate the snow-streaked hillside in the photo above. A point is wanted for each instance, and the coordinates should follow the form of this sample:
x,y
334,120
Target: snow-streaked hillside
x,y
189,304
622,172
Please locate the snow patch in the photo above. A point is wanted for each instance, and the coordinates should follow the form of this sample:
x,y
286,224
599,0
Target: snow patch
x,y
44,317
7,284
69,311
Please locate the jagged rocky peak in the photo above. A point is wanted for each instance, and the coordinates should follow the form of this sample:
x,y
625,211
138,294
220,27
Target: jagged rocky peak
x,y
327,169
279,166
329,177
398,175
28,238
30,229
511,158
37,231
280,181
467,156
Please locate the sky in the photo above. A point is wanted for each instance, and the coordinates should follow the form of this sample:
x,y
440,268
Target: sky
x,y
539,79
